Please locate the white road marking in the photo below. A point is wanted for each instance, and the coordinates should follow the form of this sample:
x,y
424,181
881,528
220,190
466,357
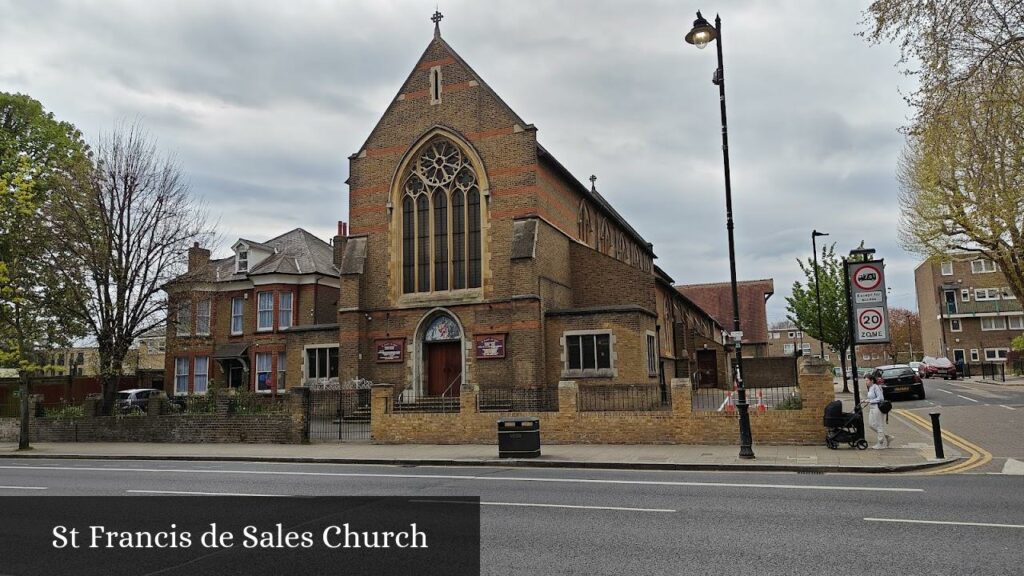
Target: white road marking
x,y
941,523
943,390
478,478
966,398
570,506
181,493
22,487
1007,407
1013,467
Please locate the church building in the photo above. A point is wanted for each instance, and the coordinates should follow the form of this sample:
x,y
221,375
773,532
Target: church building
x,y
475,257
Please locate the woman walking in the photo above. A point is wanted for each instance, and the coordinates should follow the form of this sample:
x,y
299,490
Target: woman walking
x,y
876,420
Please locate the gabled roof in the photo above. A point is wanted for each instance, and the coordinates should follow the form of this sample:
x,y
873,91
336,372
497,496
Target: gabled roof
x,y
716,299
542,153
294,252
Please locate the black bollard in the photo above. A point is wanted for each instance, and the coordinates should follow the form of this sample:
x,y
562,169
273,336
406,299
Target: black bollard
x,y
937,435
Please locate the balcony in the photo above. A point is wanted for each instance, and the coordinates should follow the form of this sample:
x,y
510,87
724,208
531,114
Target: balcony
x,y
983,307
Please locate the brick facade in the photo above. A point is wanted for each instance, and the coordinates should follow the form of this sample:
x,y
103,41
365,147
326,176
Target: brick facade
x,y
952,324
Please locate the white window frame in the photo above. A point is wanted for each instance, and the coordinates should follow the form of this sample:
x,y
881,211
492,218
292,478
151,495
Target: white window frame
x,y
789,348
996,326
284,315
792,335
965,295
584,372
242,261
307,369
983,266
1015,322
946,268
237,316
203,317
955,325
986,294
260,311
652,353
181,375
975,355
1008,294
201,377
183,319
996,357
806,347
258,369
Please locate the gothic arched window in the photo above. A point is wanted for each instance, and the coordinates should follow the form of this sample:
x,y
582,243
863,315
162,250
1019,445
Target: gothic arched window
x,y
583,223
441,220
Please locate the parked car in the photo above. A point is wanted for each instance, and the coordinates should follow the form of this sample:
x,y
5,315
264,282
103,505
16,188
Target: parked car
x,y
935,367
897,379
135,399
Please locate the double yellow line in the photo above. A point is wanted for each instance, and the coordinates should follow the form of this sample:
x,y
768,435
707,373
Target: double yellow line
x,y
977,456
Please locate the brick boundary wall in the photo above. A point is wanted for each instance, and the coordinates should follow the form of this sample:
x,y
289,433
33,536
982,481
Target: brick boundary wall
x,y
680,425
285,427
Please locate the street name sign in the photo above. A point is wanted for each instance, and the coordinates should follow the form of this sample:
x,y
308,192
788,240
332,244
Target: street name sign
x,y
870,309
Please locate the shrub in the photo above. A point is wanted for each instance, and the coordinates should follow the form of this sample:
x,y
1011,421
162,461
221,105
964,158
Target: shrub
x,y
793,402
66,412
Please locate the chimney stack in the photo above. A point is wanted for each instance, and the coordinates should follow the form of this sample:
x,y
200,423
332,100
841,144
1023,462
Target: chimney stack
x,y
198,258
339,242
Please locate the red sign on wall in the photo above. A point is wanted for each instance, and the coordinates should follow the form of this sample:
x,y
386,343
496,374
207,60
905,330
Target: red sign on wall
x,y
391,350
489,346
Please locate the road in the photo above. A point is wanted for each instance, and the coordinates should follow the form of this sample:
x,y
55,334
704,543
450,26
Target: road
x,y
565,521
988,416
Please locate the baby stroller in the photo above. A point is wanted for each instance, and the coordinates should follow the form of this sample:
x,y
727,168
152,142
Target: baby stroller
x,y
842,427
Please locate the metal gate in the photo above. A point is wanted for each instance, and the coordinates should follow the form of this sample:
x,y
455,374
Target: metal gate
x,y
339,413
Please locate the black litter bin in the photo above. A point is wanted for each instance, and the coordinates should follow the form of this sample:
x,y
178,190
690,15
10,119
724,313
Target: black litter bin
x,y
519,437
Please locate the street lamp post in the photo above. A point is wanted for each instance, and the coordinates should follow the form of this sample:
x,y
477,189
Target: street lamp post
x,y
817,288
701,34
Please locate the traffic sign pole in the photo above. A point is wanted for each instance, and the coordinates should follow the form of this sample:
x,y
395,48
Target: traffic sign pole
x,y
853,348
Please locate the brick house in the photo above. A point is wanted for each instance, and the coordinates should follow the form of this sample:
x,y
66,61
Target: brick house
x,y
261,319
692,341
967,309
787,341
716,299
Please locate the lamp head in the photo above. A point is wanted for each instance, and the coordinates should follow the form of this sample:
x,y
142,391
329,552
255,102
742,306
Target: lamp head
x,y
702,32
815,233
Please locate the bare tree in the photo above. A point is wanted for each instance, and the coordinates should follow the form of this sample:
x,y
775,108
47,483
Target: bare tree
x,y
127,225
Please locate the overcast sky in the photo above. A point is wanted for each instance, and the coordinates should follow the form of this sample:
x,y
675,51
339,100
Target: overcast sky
x,y
262,102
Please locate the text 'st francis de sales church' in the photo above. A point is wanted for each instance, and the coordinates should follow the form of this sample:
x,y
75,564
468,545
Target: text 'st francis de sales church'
x,y
474,257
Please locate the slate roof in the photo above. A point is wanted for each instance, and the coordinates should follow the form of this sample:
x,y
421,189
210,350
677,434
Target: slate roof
x,y
716,300
295,252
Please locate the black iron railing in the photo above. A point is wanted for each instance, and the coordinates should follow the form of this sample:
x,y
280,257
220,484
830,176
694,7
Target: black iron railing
x,y
623,398
508,399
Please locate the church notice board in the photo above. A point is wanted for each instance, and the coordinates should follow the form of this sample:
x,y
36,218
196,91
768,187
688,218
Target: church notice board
x,y
390,350
489,346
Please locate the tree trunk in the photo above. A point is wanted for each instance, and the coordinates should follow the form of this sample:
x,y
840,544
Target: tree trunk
x,y
23,387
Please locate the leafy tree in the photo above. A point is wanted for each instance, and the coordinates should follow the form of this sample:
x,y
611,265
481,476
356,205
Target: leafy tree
x,y
962,172
128,223
37,153
802,306
904,334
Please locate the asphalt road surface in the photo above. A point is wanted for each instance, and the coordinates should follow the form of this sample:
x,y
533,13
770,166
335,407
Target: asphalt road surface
x,y
565,521
988,416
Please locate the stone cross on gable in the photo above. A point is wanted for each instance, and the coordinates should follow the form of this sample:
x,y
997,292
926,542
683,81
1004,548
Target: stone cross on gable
x,y
436,19
593,179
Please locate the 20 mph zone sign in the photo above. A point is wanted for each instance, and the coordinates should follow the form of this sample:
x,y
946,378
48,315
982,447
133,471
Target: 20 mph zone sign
x,y
870,311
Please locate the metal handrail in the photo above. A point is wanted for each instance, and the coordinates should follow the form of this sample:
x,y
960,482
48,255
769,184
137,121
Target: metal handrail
x,y
448,389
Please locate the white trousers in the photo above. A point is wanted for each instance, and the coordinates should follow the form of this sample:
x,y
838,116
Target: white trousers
x,y
876,421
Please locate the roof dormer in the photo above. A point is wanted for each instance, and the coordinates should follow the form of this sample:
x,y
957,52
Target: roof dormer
x,y
249,254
